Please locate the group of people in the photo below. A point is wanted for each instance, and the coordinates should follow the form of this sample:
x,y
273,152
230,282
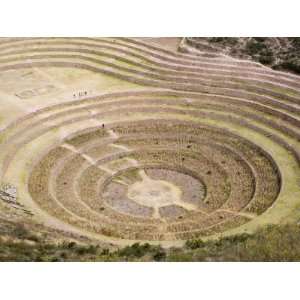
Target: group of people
x,y
80,94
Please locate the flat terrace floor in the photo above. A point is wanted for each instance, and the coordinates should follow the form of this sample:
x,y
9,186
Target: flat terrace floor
x,y
25,90
170,43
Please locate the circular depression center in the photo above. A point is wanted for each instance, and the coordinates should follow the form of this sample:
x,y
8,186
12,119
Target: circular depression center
x,y
153,193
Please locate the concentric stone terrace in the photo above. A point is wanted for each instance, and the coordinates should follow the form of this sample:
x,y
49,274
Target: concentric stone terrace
x,y
204,145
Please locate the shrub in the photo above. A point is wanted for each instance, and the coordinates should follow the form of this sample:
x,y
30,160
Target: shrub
x,y
105,251
266,60
295,42
81,250
135,250
71,245
194,244
254,47
292,65
20,231
160,255
225,40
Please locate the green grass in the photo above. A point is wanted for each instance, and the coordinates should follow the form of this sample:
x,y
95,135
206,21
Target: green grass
x,y
271,243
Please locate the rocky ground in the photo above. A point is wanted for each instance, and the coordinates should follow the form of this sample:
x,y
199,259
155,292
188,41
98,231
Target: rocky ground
x,y
279,53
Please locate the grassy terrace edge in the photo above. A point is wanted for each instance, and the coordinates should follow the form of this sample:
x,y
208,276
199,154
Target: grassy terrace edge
x,y
271,243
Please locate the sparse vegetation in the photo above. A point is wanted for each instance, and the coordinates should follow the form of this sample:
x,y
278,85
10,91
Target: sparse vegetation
x,y
272,243
279,53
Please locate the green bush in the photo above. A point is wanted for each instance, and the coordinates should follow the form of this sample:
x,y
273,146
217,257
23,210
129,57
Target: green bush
x,y
159,255
135,250
20,231
71,245
266,60
194,244
271,243
254,47
295,42
105,251
292,65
